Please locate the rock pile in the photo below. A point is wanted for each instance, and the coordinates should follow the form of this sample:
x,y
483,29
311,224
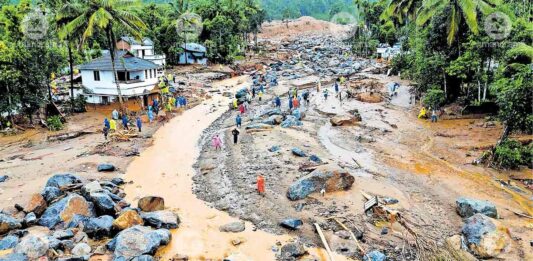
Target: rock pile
x,y
75,220
320,179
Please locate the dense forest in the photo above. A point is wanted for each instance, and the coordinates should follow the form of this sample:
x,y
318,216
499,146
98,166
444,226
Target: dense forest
x,y
320,9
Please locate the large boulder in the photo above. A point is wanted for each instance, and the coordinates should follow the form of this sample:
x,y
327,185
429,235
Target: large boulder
x,y
233,227
273,120
137,241
8,223
161,219
37,204
65,209
291,223
32,246
485,236
291,121
467,207
291,251
106,167
104,204
127,219
330,180
61,180
341,120
51,193
151,203
95,227
8,242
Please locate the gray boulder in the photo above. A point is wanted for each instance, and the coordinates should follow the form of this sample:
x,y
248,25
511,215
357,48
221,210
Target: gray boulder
x,y
138,241
33,247
95,227
330,180
161,219
106,167
3,178
104,204
485,236
117,181
298,152
8,242
467,207
291,223
61,180
274,148
233,227
30,219
51,193
374,256
8,223
65,209
292,250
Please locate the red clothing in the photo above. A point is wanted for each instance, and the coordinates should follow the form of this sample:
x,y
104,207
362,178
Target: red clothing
x,y
295,103
241,108
260,184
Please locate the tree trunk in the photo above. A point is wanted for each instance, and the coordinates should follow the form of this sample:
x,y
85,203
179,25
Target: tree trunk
x,y
445,86
111,41
503,137
71,65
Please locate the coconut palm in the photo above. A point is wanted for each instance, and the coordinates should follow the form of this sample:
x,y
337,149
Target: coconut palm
x,y
401,9
107,15
468,9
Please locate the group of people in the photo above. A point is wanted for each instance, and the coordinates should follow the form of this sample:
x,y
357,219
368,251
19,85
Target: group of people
x,y
423,114
110,125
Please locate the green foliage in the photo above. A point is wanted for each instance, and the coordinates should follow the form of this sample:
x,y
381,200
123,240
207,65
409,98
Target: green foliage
x,y
54,123
510,154
79,104
434,98
320,9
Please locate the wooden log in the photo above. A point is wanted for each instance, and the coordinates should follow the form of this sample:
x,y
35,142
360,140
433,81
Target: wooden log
x,y
323,238
352,235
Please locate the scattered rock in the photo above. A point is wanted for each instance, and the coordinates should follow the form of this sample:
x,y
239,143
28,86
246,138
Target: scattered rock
x,y
36,204
330,180
298,152
61,180
274,148
258,127
273,120
343,234
233,227
33,247
14,257
106,167
90,188
8,242
65,209
457,243
390,201
344,120
151,203
467,207
51,193
117,181
291,223
180,257
81,250
94,227
238,241
485,237
3,178
316,159
30,219
8,223
63,234
292,250
161,219
101,257
375,256
128,219
103,203
137,241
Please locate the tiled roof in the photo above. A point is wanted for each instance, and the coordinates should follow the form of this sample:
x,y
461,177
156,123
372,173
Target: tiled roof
x,y
131,40
123,61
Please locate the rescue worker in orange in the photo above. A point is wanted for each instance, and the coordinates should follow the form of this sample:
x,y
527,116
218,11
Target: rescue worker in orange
x,y
295,103
260,185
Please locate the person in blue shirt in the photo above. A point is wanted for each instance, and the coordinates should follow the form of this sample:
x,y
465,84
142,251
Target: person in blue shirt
x,y
290,104
278,102
238,120
125,121
106,124
139,123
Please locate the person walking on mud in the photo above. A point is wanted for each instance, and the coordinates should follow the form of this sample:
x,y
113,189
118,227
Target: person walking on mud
x,y
105,130
261,185
242,109
290,103
306,97
434,116
217,142
139,123
235,133
125,121
238,120
326,94
278,102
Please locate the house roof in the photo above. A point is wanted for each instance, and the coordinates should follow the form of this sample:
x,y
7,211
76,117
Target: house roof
x,y
131,40
123,61
194,47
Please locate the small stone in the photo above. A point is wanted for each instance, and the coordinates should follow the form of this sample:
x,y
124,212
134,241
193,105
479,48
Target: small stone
x,y
51,193
3,178
62,180
36,204
33,247
101,257
106,167
238,241
63,234
81,250
390,201
292,250
128,219
180,257
30,219
291,223
8,223
233,227
298,152
343,234
151,203
374,256
384,231
161,219
117,181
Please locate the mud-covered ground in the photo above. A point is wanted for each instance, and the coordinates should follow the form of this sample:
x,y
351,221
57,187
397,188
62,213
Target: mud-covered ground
x,y
425,166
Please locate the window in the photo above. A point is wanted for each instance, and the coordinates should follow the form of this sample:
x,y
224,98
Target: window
x,y
121,76
150,74
145,74
96,75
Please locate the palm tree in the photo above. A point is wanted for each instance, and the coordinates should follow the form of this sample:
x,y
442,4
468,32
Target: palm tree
x,y
401,9
468,8
107,15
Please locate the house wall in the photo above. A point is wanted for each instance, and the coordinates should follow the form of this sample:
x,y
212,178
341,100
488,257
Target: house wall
x,y
122,45
106,86
191,59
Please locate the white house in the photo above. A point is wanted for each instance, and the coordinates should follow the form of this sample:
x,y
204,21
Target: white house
x,y
143,49
193,53
386,52
136,77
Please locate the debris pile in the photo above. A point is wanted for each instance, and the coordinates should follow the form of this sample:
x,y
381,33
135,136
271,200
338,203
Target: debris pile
x,y
73,219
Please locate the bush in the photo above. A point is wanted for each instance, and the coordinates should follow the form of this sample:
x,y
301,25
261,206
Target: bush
x,y
434,98
78,104
510,154
54,123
